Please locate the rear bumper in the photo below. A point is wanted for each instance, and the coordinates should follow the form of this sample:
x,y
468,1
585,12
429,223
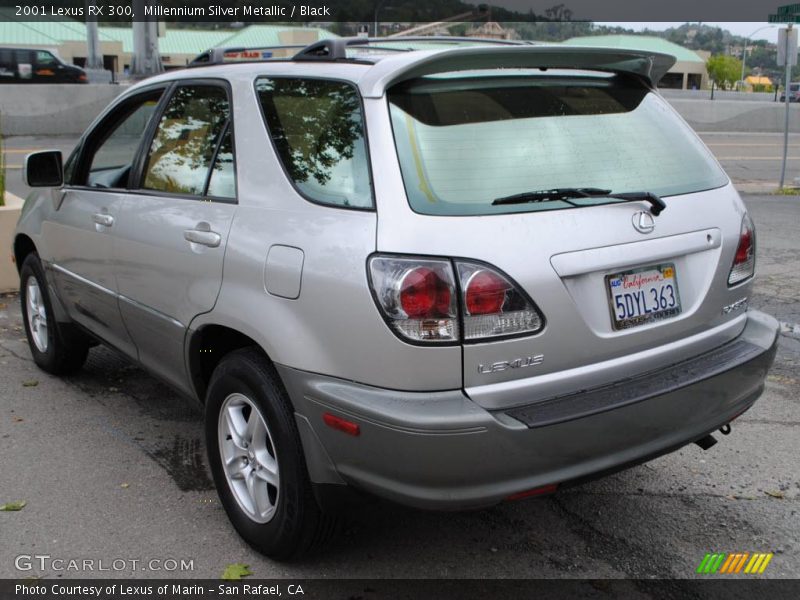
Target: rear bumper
x,y
441,450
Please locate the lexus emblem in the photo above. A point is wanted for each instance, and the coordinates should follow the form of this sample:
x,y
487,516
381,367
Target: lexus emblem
x,y
643,222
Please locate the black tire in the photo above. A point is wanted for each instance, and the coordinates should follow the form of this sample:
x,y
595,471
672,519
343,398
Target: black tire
x,y
67,347
298,525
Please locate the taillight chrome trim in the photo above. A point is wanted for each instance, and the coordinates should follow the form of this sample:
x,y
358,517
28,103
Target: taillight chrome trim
x,y
515,286
391,322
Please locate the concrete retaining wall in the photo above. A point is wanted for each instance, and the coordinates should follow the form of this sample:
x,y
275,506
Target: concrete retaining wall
x,y
52,109
9,215
733,115
719,95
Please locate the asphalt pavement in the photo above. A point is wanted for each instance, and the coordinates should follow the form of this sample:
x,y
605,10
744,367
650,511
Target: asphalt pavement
x,y
112,465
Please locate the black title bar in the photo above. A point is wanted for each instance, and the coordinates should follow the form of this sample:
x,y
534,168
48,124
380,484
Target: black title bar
x,y
401,11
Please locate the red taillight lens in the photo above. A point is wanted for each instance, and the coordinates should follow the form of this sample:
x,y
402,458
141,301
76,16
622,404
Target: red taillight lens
x,y
485,293
744,261
417,297
423,294
494,305
745,249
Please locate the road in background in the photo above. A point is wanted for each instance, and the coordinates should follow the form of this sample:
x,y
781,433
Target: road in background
x,y
112,465
752,160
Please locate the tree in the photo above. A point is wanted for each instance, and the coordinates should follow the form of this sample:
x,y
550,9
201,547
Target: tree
x,y
724,70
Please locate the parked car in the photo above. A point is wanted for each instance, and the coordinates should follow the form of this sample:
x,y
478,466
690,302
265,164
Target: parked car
x,y
34,65
447,278
794,93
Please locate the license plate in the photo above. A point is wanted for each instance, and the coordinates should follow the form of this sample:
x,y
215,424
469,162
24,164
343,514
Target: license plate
x,y
643,295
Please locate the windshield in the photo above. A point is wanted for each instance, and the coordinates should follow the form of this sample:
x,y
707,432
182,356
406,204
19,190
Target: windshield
x,y
465,141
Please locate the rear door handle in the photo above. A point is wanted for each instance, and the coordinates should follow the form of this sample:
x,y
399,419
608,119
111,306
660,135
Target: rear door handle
x,y
205,238
103,219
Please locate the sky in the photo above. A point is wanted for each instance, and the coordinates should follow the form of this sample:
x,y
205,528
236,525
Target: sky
x,y
769,33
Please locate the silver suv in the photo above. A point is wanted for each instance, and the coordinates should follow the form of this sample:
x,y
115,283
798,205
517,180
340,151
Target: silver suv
x,y
446,277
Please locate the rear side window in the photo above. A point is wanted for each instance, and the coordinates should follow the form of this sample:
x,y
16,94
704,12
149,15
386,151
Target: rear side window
x,y
317,127
464,141
185,143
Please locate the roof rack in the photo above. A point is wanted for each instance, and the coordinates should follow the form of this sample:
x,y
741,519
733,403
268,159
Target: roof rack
x,y
333,49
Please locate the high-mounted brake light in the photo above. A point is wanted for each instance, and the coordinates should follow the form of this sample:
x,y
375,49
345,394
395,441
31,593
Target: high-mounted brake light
x,y
418,298
744,262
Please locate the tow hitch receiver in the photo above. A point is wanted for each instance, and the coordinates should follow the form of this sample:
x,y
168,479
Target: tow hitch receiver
x,y
706,442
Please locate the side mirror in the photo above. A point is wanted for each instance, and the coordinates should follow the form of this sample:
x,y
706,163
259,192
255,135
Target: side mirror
x,y
44,169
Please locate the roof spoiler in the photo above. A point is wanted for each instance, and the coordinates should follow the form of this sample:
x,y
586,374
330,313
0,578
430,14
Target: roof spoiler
x,y
650,66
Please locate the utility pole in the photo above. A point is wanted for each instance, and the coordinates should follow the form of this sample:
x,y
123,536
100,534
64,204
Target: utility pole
x,y
95,70
146,59
787,56
94,60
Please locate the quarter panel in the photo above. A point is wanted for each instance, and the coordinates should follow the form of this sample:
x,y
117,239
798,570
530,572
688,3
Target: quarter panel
x,y
333,327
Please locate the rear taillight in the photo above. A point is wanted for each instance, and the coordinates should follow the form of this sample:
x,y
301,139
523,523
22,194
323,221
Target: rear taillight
x,y
744,262
493,305
417,297
420,300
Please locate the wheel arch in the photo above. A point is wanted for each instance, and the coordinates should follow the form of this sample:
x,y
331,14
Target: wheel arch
x,y
23,246
207,346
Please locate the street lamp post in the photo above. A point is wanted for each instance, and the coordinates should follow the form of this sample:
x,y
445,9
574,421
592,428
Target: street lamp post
x,y
744,52
378,6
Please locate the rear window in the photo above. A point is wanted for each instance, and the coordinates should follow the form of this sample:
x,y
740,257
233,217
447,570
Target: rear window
x,y
465,141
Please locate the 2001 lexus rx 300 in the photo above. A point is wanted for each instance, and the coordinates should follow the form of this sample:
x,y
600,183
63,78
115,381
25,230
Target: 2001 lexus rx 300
x,y
445,277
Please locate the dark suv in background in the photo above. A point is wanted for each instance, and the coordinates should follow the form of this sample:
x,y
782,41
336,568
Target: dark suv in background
x,y
34,65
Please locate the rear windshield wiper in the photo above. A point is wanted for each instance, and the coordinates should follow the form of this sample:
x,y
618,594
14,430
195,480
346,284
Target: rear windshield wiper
x,y
567,194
